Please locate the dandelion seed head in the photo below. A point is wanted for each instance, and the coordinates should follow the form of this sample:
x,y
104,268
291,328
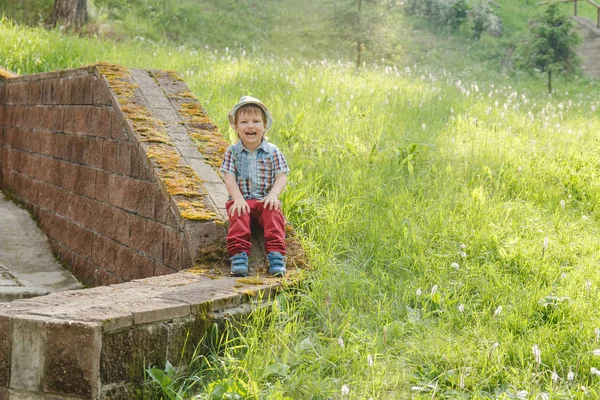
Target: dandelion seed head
x,y
498,311
434,289
455,266
345,390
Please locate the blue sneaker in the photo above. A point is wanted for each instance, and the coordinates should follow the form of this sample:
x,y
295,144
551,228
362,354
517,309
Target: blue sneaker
x,y
276,263
239,264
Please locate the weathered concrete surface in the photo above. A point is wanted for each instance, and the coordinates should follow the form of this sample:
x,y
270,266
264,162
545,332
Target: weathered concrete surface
x,y
27,266
96,343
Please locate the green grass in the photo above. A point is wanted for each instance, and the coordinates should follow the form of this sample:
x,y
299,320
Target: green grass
x,y
452,219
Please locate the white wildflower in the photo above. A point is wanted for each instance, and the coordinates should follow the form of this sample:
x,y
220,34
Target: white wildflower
x,y
423,126
370,361
345,390
570,375
498,311
562,204
462,246
522,394
597,334
419,292
537,354
461,308
554,376
463,254
341,342
588,285
594,371
434,289
455,266
584,217
596,352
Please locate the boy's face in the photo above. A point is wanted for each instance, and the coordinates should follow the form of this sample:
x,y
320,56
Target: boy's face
x,y
250,127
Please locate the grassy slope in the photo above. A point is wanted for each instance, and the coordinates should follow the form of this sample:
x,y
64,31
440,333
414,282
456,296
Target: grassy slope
x,y
495,168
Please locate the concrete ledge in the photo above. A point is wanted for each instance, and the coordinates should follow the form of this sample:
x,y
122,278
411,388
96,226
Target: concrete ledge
x,y
96,343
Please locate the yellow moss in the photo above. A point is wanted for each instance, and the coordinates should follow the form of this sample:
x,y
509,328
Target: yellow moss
x,y
186,94
252,280
165,156
174,75
4,74
195,211
183,181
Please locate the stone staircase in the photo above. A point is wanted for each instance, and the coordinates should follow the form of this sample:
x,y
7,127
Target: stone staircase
x,y
589,50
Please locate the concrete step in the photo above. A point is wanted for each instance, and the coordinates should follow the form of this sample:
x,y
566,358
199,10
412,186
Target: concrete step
x,y
27,265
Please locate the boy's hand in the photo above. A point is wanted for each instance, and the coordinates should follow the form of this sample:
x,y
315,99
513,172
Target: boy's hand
x,y
271,202
240,206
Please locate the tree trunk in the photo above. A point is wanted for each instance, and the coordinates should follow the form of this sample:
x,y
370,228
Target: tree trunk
x,y
69,13
550,81
358,42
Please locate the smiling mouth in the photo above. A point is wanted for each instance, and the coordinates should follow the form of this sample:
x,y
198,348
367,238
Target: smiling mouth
x,y
251,134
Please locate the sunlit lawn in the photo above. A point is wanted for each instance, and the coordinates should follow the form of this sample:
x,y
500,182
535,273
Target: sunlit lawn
x,y
453,226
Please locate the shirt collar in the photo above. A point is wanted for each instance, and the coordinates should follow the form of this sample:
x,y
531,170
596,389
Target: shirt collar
x,y
264,146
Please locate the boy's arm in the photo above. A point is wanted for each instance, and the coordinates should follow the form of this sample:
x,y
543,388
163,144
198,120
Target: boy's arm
x,y
272,199
239,203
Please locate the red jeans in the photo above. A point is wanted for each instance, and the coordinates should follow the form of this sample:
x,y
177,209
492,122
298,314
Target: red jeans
x,y
271,221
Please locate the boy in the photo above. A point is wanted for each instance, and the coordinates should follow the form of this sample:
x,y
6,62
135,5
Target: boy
x,y
255,173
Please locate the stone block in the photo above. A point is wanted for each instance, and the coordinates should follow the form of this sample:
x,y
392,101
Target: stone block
x,y
183,337
100,93
131,264
151,310
82,268
109,155
52,118
81,89
166,114
124,150
203,234
11,293
102,179
103,121
28,356
54,226
104,277
117,130
5,350
104,252
123,192
218,193
205,171
173,242
68,115
72,351
80,240
145,198
126,354
141,168
202,297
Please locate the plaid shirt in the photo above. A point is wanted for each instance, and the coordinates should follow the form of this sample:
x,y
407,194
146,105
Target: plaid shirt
x,y
255,172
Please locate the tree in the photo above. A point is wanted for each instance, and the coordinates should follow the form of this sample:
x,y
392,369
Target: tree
x,y
361,23
551,45
69,13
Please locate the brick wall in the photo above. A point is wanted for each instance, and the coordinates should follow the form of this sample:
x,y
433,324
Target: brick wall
x,y
66,153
